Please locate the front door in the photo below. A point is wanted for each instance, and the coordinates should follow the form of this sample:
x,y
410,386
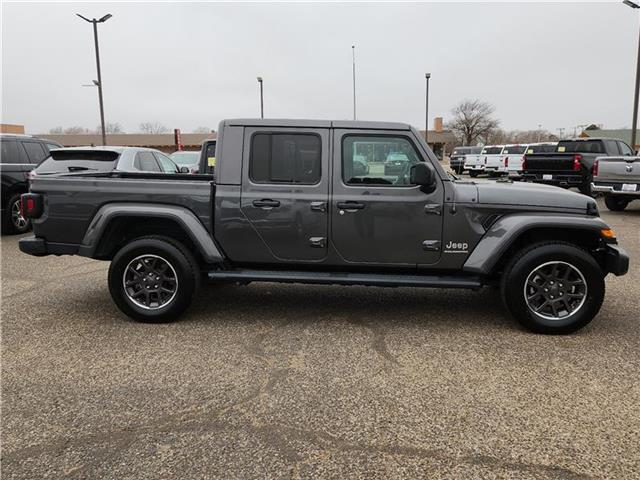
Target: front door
x,y
377,216
285,191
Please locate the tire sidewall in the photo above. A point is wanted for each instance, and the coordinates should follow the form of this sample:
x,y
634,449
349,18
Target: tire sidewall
x,y
178,261
615,204
9,225
513,287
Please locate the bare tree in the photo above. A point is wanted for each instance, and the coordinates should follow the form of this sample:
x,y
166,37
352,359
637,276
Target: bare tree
x,y
502,137
75,130
472,121
202,130
152,127
110,128
55,131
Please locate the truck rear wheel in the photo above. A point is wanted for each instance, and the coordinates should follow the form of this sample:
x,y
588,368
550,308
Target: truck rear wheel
x,y
615,204
13,221
153,279
553,288
473,173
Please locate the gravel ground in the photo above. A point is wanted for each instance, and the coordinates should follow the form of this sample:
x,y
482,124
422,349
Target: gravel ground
x,y
290,381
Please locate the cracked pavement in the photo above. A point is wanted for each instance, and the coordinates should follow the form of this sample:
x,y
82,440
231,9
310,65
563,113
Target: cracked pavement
x,y
294,381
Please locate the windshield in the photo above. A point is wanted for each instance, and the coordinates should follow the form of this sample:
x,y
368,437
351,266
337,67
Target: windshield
x,y
581,146
185,158
65,161
514,149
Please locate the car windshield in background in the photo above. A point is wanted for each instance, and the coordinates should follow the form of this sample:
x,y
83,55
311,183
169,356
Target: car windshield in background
x,y
65,161
492,150
515,149
587,146
185,158
461,151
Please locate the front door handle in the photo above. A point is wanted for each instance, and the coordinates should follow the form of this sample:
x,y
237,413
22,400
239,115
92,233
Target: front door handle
x,y
434,208
350,206
318,206
266,203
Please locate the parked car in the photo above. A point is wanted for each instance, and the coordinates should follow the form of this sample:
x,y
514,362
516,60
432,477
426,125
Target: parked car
x,y
474,163
283,208
187,158
618,178
513,158
106,159
396,163
572,162
493,158
20,154
459,155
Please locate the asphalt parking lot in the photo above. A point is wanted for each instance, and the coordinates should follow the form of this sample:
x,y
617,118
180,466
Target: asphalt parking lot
x,y
294,381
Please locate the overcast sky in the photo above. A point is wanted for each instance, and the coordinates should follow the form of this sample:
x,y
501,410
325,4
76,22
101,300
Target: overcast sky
x,y
189,65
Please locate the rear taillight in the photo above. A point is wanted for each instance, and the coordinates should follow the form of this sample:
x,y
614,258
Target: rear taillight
x,y
576,162
31,205
594,169
524,163
506,162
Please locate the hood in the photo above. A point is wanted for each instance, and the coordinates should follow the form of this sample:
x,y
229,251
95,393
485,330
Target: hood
x,y
524,194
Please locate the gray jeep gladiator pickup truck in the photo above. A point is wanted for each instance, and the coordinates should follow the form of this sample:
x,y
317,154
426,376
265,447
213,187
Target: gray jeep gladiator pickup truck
x,y
291,203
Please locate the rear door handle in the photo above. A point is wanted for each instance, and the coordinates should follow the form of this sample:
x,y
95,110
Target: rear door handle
x,y
266,203
350,205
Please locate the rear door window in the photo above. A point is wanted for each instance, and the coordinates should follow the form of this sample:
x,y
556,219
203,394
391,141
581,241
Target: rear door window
x,y
146,162
285,158
35,151
10,153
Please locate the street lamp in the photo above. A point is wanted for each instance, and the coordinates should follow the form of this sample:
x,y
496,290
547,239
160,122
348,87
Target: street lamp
x,y
427,76
98,83
261,98
635,93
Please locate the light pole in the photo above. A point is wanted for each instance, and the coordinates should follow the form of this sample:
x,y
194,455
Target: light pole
x,y
539,131
261,98
99,83
353,58
634,124
427,76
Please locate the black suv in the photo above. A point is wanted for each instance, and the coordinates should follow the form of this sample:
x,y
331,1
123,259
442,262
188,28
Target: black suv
x,y
19,155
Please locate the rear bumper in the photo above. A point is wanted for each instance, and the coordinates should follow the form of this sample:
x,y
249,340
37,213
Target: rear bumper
x,y
613,189
616,260
562,179
39,247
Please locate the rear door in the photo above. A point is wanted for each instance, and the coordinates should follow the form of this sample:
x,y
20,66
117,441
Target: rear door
x,y
379,218
285,190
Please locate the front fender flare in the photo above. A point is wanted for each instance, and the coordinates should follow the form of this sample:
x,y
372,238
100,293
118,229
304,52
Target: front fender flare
x,y
506,230
184,217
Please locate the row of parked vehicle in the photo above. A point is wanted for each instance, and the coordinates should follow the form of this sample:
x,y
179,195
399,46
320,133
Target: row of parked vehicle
x,y
592,165
22,157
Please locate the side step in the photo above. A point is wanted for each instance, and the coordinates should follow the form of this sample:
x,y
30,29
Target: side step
x,y
341,278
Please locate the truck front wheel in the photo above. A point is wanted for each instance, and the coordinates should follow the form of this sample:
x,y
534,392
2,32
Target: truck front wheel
x,y
553,288
153,279
615,204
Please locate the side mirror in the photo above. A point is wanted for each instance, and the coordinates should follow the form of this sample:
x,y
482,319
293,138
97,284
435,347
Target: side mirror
x,y
423,175
184,169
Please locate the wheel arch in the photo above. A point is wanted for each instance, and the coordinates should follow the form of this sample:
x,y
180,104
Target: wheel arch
x,y
116,224
514,232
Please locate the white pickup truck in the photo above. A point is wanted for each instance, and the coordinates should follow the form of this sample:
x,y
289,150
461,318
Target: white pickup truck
x,y
473,163
618,178
493,159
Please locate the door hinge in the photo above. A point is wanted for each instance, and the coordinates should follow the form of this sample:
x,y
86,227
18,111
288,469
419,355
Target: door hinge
x,y
318,242
431,245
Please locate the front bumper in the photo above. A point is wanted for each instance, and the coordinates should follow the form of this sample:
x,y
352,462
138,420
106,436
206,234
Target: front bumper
x,y
616,260
613,189
39,247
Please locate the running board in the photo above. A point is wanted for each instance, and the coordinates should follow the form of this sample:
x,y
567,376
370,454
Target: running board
x,y
341,278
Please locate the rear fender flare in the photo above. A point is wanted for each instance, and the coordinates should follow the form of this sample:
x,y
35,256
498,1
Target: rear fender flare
x,y
185,218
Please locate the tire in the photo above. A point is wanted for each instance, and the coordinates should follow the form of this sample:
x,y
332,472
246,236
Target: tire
x,y
165,267
473,173
585,189
13,222
615,204
584,288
